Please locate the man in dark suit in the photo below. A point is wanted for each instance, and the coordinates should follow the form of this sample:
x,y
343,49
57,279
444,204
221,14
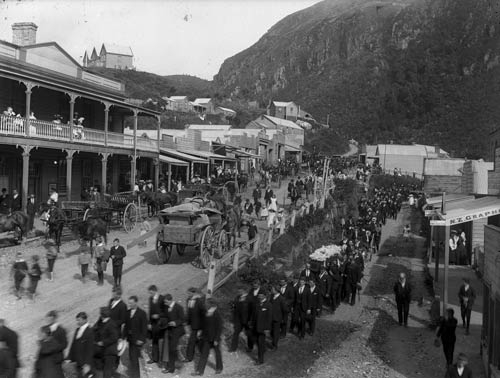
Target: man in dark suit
x,y
253,296
136,332
241,314
302,306
316,304
307,273
287,291
15,202
174,319
467,296
59,334
211,336
117,253
294,319
31,211
11,339
82,347
261,324
402,291
325,287
460,369
195,313
4,202
106,343
268,195
156,307
353,277
118,310
336,284
278,310
7,364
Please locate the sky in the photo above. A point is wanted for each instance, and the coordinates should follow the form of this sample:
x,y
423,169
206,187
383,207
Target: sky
x,y
167,37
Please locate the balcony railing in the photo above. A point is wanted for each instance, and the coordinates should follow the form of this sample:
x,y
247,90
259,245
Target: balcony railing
x,y
16,126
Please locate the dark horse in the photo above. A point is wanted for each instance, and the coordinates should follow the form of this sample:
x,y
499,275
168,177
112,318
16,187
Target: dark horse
x,y
17,222
91,229
157,201
55,222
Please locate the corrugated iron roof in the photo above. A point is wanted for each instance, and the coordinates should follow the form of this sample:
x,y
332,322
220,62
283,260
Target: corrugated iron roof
x,y
443,167
283,122
399,149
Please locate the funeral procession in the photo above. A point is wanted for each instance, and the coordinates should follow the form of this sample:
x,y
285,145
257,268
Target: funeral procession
x,y
247,188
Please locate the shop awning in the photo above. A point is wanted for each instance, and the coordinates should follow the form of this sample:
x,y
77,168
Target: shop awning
x,y
183,156
171,160
468,210
449,198
292,148
244,154
210,155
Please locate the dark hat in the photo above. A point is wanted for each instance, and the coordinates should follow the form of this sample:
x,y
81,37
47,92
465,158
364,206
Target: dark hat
x,y
52,314
192,290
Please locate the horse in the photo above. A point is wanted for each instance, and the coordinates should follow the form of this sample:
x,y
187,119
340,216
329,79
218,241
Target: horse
x,y
157,201
243,182
17,222
90,229
55,223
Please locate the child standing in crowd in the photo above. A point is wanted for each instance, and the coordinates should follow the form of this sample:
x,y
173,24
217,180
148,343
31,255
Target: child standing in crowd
x,y
84,259
35,274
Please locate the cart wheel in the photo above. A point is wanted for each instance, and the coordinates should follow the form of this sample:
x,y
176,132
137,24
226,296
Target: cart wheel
x,y
206,247
222,247
181,248
130,217
163,251
86,215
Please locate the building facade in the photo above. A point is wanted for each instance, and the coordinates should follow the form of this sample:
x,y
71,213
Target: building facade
x,y
110,56
42,145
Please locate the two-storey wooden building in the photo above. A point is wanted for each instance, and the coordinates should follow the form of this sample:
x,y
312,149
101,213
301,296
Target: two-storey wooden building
x,y
42,145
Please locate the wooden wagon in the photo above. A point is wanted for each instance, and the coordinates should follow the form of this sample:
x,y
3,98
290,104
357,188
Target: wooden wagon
x,y
119,209
189,225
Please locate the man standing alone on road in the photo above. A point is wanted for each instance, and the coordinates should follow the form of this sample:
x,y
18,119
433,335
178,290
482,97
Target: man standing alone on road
x,y
402,290
467,296
117,254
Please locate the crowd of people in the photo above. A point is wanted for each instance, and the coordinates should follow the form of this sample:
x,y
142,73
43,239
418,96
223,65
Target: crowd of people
x,y
263,313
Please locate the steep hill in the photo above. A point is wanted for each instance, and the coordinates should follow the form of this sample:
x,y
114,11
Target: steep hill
x,y
422,71
144,85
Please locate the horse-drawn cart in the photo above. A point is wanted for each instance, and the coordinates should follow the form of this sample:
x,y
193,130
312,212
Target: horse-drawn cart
x,y
118,209
189,225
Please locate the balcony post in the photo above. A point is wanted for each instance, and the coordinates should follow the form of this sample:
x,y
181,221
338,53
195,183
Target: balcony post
x,y
72,99
104,170
132,171
156,163
26,164
159,132
29,86
69,172
169,182
107,105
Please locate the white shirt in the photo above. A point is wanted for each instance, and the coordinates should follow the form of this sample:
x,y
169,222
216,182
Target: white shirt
x,y
115,302
53,327
301,289
82,329
283,290
132,313
460,370
155,298
54,197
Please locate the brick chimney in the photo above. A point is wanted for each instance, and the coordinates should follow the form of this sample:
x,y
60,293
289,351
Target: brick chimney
x,y
24,33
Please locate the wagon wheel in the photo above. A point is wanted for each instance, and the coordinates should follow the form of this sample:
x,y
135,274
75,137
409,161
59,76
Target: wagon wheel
x,y
206,247
130,217
222,245
181,248
163,251
86,215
